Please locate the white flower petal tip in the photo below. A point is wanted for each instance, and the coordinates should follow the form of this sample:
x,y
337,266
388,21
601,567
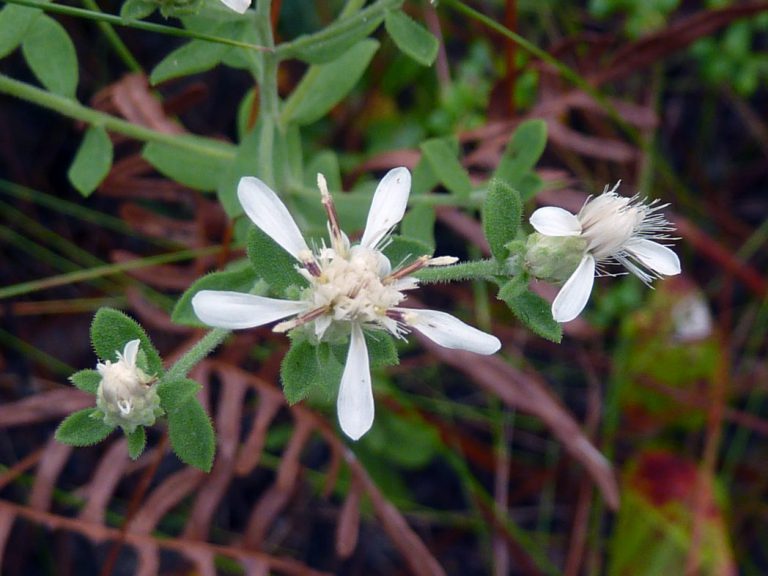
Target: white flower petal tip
x,y
554,221
450,332
354,405
239,6
131,351
574,294
268,212
236,310
388,206
655,256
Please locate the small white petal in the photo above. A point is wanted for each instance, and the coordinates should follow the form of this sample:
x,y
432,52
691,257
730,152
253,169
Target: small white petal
x,y
450,332
655,256
554,221
268,212
355,403
239,6
388,206
130,352
237,310
574,294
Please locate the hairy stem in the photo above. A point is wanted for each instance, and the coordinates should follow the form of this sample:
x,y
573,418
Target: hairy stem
x,y
196,354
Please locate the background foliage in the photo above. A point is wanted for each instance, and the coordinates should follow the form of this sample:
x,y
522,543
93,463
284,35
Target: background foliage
x,y
123,132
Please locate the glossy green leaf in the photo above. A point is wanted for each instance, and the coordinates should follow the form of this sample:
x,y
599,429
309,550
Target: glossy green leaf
x,y
191,434
441,154
192,58
137,9
411,37
199,170
15,20
111,330
325,85
51,55
525,147
535,312
92,161
502,211
86,380
83,428
137,440
241,278
334,40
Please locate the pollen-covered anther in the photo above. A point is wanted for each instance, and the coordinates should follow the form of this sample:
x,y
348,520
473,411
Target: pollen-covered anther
x,y
287,325
417,264
337,238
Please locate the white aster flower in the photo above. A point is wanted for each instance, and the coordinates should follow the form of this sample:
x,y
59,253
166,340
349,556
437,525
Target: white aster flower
x,y
350,288
125,396
614,230
239,6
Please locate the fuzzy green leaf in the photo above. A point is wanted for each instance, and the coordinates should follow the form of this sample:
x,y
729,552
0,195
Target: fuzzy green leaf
x,y
15,20
137,440
173,394
240,279
441,155
533,311
198,170
192,58
309,369
137,9
411,37
325,85
86,380
111,330
92,161
419,224
51,55
381,349
525,147
514,288
83,428
191,434
402,250
272,263
502,211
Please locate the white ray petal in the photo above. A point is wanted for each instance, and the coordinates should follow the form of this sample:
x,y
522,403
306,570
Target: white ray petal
x,y
355,402
239,6
554,221
450,332
131,351
654,255
235,310
388,206
268,212
574,294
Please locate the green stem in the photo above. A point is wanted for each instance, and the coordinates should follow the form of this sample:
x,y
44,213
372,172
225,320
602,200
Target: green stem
x,y
196,354
137,24
117,44
106,270
73,109
474,270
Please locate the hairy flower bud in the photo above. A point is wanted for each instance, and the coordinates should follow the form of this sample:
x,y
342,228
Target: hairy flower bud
x,y
553,258
125,396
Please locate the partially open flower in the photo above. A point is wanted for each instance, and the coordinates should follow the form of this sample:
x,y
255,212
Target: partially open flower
x,y
125,396
615,230
349,288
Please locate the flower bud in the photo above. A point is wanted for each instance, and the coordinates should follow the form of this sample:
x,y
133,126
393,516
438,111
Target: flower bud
x,y
553,258
125,396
